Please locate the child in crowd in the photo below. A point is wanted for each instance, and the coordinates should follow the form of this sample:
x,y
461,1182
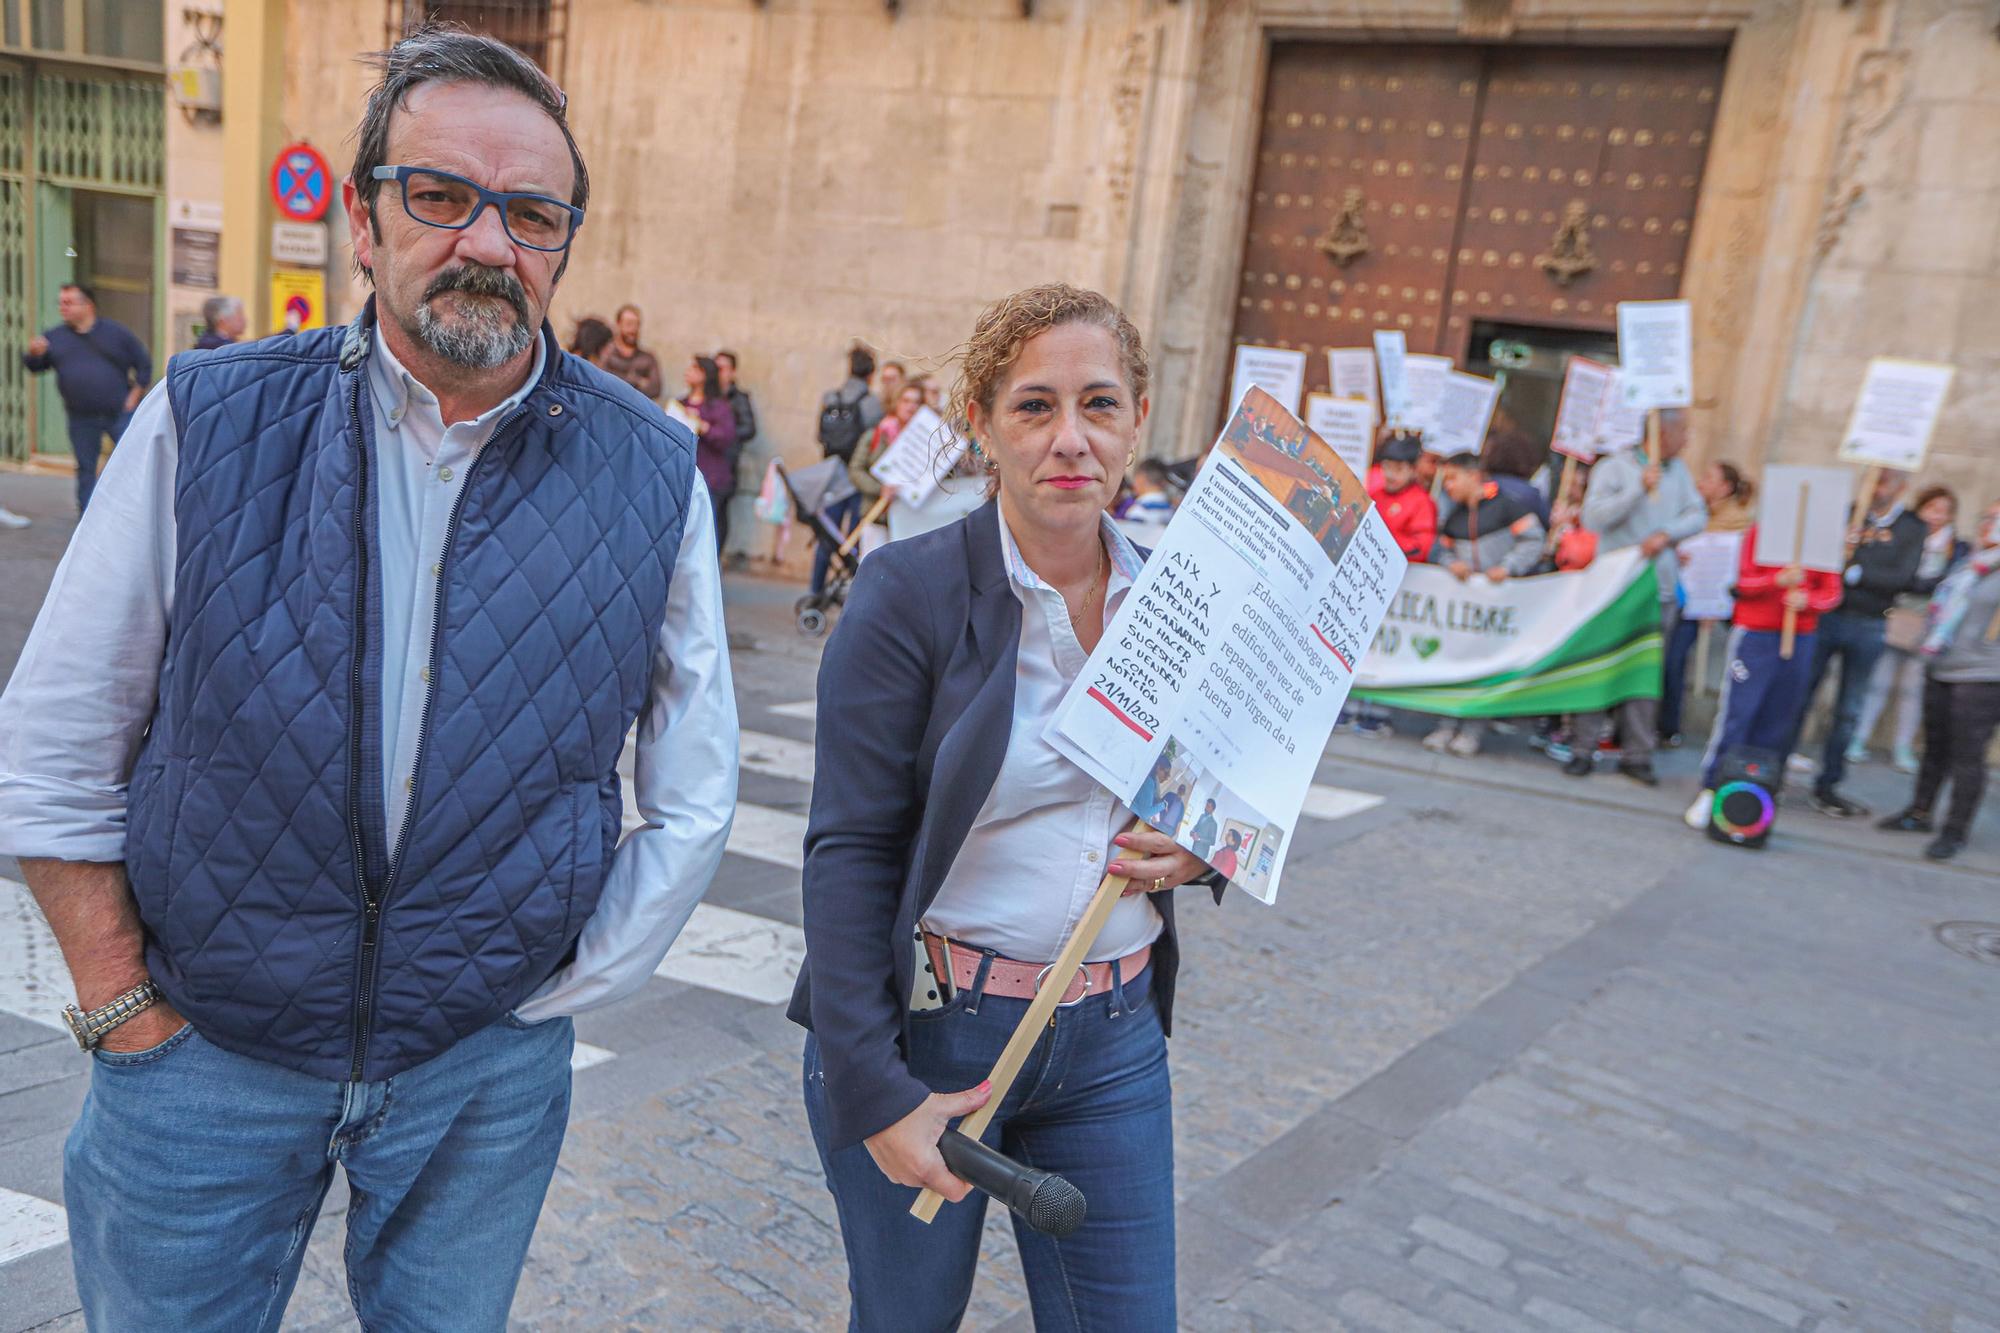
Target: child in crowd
x,y
1488,534
1405,506
1764,692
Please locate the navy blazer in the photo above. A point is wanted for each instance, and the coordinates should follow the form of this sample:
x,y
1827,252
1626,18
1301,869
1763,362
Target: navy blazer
x,y
916,704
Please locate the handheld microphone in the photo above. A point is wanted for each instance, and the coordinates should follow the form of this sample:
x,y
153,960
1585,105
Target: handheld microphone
x,y
1044,1200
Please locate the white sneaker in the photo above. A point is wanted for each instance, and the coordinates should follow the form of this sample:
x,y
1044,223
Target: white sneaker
x,y
1698,814
1465,745
10,519
1440,740
1905,759
1803,765
1857,753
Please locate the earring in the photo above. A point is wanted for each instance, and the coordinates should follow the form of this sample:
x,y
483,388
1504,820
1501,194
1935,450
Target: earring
x,y
1131,459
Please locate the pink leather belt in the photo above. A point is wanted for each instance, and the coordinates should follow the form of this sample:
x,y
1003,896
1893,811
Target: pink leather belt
x,y
1018,980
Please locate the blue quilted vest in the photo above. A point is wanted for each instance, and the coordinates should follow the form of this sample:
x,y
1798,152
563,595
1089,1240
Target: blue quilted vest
x,y
280,921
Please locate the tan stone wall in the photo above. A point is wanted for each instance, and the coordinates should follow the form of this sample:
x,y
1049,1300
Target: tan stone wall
x,y
194,173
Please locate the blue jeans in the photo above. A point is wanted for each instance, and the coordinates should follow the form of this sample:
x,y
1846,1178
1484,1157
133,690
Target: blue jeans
x,y
1673,689
86,440
1093,1104
841,517
1763,696
194,1175
1859,642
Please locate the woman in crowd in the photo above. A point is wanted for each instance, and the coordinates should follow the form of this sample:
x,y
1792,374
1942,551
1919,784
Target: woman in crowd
x,y
869,452
715,447
593,336
1961,651
1899,673
949,845
1727,493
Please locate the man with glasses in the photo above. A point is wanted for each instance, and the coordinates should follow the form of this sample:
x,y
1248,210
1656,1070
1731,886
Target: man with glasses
x,y
334,852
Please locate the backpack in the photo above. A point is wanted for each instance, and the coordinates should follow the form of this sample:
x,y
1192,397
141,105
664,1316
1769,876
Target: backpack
x,y
840,423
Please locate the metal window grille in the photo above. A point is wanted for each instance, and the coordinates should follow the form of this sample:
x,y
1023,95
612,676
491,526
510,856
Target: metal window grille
x,y
538,29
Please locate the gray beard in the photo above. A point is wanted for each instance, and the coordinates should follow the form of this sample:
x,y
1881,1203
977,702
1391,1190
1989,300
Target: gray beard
x,y
479,338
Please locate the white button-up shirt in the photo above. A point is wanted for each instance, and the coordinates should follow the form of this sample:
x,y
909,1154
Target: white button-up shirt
x,y
1039,846
66,753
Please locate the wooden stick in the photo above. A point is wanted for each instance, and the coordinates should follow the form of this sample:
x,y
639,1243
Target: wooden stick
x,y
1701,640
1790,634
1061,972
1562,498
1871,477
1652,442
862,526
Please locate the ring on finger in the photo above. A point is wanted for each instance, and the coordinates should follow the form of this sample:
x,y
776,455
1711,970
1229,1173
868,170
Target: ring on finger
x,y
1159,883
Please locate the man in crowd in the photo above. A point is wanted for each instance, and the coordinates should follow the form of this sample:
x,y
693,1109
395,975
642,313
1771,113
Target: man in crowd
x,y
846,416
1650,503
889,383
341,813
102,370
746,419
223,322
1885,547
629,361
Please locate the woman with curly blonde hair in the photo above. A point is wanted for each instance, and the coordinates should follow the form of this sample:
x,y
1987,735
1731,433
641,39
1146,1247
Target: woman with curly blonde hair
x,y
950,849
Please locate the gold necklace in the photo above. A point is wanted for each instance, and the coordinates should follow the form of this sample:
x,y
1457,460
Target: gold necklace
x,y
1096,579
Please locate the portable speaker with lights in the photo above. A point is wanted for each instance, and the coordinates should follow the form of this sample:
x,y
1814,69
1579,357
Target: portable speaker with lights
x,y
1746,797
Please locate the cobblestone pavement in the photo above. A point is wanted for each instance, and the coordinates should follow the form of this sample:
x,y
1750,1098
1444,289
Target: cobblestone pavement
x,y
1512,1051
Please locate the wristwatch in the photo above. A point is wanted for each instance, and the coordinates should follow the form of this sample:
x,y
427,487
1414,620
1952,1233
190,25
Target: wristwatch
x,y
89,1029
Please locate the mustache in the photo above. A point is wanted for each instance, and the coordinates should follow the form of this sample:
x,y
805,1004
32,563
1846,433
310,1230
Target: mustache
x,y
479,280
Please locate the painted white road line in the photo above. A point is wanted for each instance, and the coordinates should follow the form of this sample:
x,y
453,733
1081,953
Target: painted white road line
x,y
28,1224
585,1055
726,950
1323,802
34,982
769,835
805,708
775,756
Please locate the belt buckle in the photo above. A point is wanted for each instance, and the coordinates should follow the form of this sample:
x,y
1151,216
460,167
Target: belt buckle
x,y
1082,970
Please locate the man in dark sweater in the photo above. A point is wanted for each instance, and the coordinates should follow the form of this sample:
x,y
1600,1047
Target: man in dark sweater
x,y
1884,548
102,370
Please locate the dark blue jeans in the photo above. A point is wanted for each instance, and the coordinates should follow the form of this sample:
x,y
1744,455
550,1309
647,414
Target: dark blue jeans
x,y
1858,641
842,515
1093,1104
86,436
1673,688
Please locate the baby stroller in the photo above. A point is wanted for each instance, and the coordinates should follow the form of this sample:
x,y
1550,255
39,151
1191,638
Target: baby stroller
x,y
814,490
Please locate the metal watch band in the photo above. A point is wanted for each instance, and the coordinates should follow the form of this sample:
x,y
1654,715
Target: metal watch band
x,y
89,1028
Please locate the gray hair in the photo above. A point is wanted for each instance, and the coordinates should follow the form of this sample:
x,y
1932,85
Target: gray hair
x,y
444,53
218,308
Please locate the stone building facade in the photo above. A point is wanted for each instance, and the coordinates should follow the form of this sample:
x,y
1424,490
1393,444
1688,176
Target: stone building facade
x,y
787,177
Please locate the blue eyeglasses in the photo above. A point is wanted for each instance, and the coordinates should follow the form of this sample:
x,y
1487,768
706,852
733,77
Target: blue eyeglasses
x,y
440,199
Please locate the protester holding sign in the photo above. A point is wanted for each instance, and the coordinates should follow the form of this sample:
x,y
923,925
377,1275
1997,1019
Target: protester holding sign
x,y
950,846
1650,503
1727,493
1899,675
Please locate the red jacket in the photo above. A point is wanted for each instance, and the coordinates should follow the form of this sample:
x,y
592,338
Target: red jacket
x,y
1760,602
1411,514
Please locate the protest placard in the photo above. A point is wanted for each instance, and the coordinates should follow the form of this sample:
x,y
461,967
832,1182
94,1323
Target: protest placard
x,y
1802,517
1896,413
1351,372
1348,427
1618,426
1423,378
1227,662
1584,383
1655,354
1464,410
922,454
1278,371
1390,350
1553,643
1708,573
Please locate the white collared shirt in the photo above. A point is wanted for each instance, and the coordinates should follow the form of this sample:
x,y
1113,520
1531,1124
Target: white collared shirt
x,y
1039,846
66,753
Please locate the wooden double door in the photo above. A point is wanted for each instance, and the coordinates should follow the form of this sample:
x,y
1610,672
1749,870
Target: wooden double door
x,y
1454,191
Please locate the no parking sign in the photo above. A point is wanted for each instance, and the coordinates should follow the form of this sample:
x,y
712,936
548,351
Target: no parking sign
x,y
301,183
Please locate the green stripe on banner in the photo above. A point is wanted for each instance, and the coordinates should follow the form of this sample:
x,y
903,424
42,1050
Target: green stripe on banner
x,y
1614,656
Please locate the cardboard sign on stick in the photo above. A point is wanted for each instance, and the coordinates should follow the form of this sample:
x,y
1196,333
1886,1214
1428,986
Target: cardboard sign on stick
x,y
1390,351
923,453
1278,371
1464,410
1584,383
1347,425
1618,426
1656,354
1802,516
1896,413
1424,375
1351,372
1708,572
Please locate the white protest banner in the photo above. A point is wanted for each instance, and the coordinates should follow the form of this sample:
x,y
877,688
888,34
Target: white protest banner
x,y
1227,662
1708,572
1656,354
1896,413
922,453
1551,643
1351,372
1390,350
1276,370
1618,426
1584,383
1464,410
1423,377
1802,517
1348,427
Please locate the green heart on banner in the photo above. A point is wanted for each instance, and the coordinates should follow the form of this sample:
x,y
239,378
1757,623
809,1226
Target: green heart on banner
x,y
1426,645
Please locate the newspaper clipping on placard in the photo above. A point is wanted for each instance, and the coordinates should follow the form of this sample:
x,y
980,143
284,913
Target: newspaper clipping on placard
x,y
1896,413
1218,681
